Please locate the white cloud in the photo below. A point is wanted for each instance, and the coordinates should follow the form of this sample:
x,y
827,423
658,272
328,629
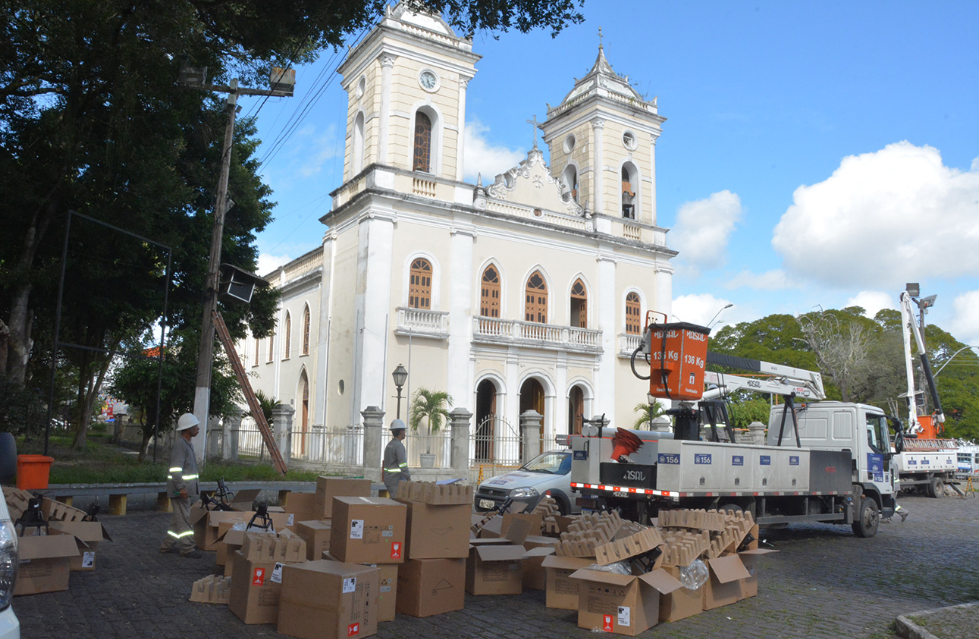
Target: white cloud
x,y
703,228
324,147
481,156
774,280
965,322
872,302
699,308
268,263
882,219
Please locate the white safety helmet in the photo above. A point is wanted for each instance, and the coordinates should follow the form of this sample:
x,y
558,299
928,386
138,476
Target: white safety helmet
x,y
187,420
396,425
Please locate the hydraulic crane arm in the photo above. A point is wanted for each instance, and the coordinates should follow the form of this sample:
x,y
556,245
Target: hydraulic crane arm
x,y
785,380
911,327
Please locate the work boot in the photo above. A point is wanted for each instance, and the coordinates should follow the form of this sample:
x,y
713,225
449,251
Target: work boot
x,y
904,514
166,549
193,554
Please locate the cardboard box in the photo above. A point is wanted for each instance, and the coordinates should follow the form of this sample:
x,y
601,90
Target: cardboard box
x,y
45,562
244,500
517,533
328,599
388,591
435,494
495,569
316,534
286,547
682,602
368,530
437,532
211,589
207,522
255,589
621,604
222,547
749,585
329,487
429,587
300,507
723,587
87,534
534,575
561,590
536,521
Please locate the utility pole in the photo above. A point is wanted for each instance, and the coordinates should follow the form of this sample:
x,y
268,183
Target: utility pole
x,y
283,82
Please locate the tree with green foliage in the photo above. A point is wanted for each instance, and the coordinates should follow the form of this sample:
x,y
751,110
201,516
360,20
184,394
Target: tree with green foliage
x,y
432,408
647,413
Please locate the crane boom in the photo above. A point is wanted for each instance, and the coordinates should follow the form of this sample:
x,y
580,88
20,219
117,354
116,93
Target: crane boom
x,y
910,327
785,380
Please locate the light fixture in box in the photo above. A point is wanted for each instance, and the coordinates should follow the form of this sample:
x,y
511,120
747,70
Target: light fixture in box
x,y
238,285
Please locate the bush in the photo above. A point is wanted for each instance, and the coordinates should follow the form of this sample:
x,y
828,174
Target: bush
x,y
99,428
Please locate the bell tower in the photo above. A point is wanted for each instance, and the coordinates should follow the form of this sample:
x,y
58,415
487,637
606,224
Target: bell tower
x,y
406,86
602,140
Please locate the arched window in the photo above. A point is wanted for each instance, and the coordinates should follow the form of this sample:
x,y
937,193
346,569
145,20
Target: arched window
x,y
271,346
570,186
489,301
257,342
633,320
358,143
423,143
535,307
286,346
420,284
306,331
630,182
579,305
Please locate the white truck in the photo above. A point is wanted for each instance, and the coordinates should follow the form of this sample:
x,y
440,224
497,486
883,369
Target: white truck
x,y
822,461
924,460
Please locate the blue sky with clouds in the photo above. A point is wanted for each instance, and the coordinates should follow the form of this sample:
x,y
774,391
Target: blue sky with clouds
x,y
814,153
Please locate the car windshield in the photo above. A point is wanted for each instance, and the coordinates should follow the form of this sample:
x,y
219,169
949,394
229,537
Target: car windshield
x,y
552,463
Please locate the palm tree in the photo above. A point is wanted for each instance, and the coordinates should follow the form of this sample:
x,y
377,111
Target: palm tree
x,y
267,403
647,413
432,407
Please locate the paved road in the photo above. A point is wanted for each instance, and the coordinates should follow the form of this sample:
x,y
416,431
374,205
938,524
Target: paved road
x,y
824,582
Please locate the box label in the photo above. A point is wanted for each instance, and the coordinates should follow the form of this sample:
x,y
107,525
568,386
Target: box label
x,y
701,458
737,460
88,559
353,629
668,458
290,519
387,533
793,460
258,578
349,584
396,550
581,455
765,460
607,623
385,588
357,529
624,616
276,577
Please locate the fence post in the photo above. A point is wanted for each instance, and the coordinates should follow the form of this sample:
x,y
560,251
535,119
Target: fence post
x,y
282,418
118,426
530,430
229,439
211,445
756,433
459,421
373,424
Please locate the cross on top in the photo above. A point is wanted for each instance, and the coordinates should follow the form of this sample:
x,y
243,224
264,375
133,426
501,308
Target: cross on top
x,y
535,124
599,37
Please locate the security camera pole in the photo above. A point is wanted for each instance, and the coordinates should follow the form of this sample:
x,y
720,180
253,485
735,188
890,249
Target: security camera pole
x,y
283,82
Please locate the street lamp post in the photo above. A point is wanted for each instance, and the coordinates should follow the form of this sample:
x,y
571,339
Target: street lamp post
x,y
283,83
400,375
718,314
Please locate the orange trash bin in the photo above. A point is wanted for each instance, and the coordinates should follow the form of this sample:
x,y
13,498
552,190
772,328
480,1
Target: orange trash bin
x,y
33,471
677,359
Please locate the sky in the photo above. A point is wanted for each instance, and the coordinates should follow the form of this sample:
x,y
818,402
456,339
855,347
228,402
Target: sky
x,y
815,154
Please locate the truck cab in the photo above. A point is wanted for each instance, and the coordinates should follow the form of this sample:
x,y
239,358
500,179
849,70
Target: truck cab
x,y
860,428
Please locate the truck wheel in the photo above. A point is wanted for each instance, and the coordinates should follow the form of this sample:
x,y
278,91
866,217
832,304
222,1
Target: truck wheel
x,y
936,488
730,508
868,521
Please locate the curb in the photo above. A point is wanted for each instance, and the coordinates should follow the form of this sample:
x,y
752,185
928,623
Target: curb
x,y
910,630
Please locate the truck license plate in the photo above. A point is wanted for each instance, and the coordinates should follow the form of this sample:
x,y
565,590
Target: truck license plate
x,y
487,503
619,494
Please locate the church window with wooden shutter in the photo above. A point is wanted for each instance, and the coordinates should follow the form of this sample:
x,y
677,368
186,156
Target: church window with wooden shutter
x,y
633,320
271,346
306,331
489,301
535,306
579,305
286,345
420,284
423,143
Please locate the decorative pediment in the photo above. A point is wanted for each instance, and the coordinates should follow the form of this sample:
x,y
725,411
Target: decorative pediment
x,y
530,183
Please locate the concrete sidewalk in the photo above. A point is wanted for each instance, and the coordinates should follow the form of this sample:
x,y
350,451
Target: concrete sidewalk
x,y
954,622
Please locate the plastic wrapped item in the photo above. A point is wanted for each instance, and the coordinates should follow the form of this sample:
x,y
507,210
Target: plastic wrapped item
x,y
694,576
619,568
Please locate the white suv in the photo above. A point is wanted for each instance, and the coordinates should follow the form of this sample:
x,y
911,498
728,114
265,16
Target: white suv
x,y
9,624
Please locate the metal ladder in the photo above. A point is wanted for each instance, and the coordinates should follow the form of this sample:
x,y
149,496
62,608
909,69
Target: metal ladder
x,y
928,445
246,387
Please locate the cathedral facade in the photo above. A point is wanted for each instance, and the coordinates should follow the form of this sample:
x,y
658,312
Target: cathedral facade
x,y
529,292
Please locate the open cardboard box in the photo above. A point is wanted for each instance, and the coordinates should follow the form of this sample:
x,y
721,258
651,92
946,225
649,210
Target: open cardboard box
x,y
562,591
87,534
45,562
495,569
723,587
621,604
207,522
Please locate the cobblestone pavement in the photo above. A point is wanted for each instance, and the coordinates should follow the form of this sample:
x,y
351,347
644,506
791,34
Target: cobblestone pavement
x,y
824,582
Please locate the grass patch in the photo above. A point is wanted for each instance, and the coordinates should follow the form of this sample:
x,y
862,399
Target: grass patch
x,y
103,463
